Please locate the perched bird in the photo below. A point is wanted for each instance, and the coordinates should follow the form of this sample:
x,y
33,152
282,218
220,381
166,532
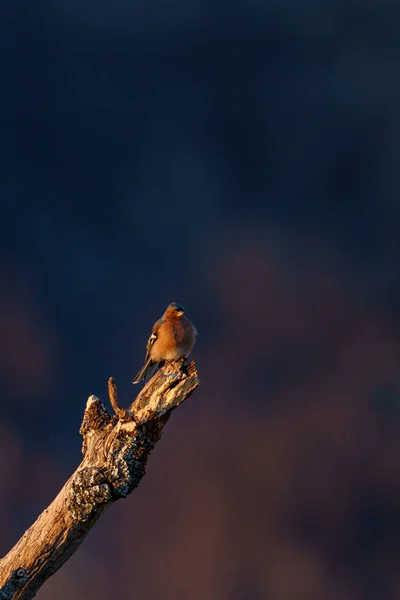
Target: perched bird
x,y
172,337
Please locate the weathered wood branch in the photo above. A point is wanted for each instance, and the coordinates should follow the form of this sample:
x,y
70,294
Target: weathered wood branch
x,y
115,451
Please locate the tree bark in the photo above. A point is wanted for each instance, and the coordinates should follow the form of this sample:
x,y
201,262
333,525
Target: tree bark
x,y
115,450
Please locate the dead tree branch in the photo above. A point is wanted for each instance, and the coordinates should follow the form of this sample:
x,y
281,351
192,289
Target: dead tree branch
x,y
115,450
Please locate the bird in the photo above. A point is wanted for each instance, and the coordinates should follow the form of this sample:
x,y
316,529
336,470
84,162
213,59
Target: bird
x,y
172,337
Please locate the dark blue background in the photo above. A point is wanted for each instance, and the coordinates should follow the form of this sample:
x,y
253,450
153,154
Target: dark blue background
x,y
242,159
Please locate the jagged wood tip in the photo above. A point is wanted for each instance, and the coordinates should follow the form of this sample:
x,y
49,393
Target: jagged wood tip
x,y
121,413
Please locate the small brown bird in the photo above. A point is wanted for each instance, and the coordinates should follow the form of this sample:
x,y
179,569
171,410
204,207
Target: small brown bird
x,y
172,337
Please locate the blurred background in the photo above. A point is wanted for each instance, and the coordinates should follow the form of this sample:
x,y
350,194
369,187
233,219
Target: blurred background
x,y
242,159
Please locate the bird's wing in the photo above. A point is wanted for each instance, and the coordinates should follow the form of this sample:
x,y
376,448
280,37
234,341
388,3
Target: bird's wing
x,y
152,337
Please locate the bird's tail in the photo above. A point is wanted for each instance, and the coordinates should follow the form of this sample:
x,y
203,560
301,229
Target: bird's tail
x,y
143,371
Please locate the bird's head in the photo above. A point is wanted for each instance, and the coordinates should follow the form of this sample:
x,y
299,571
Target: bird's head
x,y
175,310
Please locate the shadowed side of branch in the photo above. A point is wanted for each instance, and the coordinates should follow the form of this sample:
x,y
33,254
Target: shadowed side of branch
x,y
115,451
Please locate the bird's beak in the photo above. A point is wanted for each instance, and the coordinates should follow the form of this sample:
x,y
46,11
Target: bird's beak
x,y
180,313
